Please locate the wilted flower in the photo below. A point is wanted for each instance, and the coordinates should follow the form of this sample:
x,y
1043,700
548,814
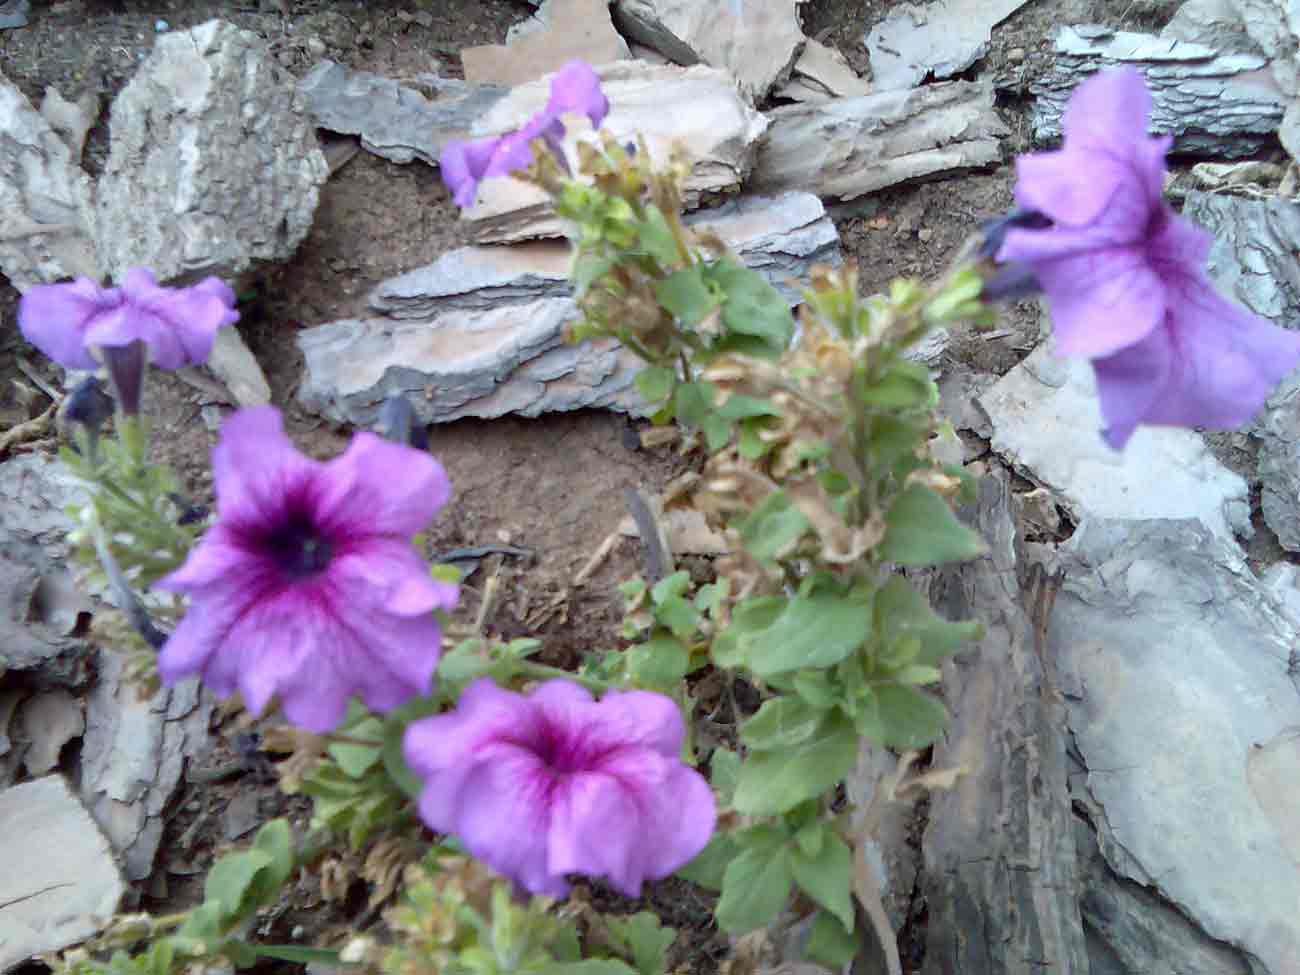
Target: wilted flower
x,y
69,321
1124,275
552,783
307,585
575,88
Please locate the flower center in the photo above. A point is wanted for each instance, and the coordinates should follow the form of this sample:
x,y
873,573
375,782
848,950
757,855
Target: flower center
x,y
298,548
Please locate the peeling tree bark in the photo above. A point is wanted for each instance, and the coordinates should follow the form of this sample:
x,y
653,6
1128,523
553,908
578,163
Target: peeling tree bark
x,y
1001,878
1212,104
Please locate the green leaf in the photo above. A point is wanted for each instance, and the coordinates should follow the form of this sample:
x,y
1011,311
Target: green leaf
x,y
710,864
738,406
958,299
830,943
918,674
275,839
827,874
656,236
670,586
818,630
660,662
782,722
750,444
230,882
752,306
920,529
394,756
891,438
815,687
589,966
724,772
301,954
750,616
902,611
717,431
901,717
757,883
646,938
773,782
686,295
772,527
654,383
906,385
355,760
463,663
693,403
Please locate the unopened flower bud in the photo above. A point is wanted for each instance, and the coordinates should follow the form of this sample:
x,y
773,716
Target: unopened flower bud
x,y
125,365
88,406
397,422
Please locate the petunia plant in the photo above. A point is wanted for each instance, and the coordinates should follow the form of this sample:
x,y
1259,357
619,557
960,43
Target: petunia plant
x,y
478,784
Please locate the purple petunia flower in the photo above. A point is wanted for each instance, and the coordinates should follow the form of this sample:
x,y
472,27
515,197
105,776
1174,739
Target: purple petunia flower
x,y
307,585
550,783
69,321
1124,275
575,88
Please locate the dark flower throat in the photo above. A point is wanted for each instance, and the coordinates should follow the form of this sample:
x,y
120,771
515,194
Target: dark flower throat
x,y
298,547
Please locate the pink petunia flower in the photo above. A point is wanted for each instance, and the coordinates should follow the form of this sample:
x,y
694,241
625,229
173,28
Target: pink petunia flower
x,y
1124,275
307,585
552,783
69,321
575,89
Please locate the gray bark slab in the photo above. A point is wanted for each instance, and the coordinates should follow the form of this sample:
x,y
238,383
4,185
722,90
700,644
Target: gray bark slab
x,y
134,753
848,147
213,162
398,122
1253,260
59,881
757,41
1130,928
1000,875
47,231
1211,103
941,38
480,331
1046,423
1173,660
822,73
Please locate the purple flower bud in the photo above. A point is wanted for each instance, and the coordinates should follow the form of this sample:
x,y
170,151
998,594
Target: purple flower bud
x,y
88,405
550,783
397,422
306,586
1124,275
575,89
69,321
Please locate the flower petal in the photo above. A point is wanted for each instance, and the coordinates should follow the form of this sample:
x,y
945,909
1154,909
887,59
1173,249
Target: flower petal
x,y
640,718
178,324
1213,364
677,809
256,469
380,487
55,317
576,88
596,830
463,164
504,819
1101,301
484,713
